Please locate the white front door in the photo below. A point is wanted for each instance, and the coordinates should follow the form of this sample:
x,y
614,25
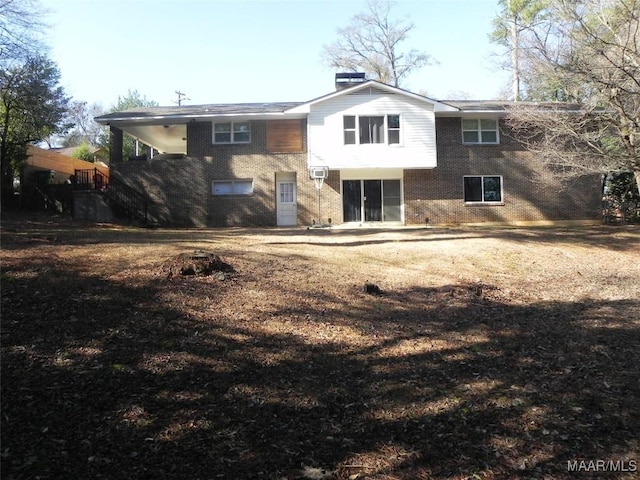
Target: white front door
x,y
287,210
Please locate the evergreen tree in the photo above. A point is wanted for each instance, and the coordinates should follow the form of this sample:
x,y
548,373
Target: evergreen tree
x,y
517,18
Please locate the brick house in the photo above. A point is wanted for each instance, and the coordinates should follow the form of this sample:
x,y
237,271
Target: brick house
x,y
390,157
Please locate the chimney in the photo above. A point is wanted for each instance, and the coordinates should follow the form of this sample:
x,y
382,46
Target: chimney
x,y
349,79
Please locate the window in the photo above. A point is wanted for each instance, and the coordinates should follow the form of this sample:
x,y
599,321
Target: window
x,y
349,130
232,132
485,189
222,133
393,129
232,187
371,129
479,130
286,192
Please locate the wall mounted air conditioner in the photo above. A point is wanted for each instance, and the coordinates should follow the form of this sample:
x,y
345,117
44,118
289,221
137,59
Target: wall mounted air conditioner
x,y
318,172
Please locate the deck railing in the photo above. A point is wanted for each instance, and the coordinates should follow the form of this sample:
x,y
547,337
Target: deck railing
x,y
90,179
132,202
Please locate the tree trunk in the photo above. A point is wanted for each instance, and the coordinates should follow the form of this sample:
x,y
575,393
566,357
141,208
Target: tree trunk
x,y
515,51
515,60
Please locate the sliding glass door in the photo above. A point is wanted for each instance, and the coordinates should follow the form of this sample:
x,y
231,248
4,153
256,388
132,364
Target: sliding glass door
x,y
371,200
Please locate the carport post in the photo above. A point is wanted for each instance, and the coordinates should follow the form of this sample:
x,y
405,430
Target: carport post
x,y
115,137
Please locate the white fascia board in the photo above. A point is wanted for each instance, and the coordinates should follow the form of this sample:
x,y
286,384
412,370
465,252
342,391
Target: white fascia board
x,y
440,107
122,120
303,109
183,119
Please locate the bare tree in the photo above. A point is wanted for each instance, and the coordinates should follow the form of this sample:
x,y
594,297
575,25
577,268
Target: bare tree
x,y
86,130
371,43
586,52
20,25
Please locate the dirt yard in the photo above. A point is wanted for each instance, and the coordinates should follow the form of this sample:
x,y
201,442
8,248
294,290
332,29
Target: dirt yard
x,y
487,353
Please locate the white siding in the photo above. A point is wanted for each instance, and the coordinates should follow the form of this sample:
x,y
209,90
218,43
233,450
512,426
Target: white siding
x,y
417,147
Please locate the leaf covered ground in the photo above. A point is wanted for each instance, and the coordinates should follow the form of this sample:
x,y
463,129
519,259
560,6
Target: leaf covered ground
x,y
489,353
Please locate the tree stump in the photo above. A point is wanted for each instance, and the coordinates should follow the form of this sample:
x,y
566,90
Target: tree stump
x,y
372,289
198,263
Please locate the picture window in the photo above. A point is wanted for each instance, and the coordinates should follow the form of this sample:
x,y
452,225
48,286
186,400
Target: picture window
x,y
371,129
365,129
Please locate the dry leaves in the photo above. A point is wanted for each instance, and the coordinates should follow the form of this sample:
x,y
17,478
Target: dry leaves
x,y
489,353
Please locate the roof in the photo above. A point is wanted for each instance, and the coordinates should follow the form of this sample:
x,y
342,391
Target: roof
x,y
438,106
474,105
195,111
504,105
183,114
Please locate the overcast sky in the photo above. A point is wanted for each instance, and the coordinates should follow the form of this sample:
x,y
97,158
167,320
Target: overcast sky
x,y
237,51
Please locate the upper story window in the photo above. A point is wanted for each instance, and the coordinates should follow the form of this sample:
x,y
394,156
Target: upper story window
x,y
367,129
349,122
371,129
232,132
480,130
393,129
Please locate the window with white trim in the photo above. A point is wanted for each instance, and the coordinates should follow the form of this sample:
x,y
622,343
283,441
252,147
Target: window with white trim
x,y
242,186
349,125
483,189
480,130
393,129
368,129
232,132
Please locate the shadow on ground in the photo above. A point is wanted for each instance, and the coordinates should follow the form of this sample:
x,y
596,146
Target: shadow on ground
x,y
63,230
107,379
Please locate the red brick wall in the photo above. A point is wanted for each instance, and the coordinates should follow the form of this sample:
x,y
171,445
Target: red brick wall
x,y
180,189
330,200
436,196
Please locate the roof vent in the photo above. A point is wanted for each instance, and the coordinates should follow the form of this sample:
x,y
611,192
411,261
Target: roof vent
x,y
349,79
